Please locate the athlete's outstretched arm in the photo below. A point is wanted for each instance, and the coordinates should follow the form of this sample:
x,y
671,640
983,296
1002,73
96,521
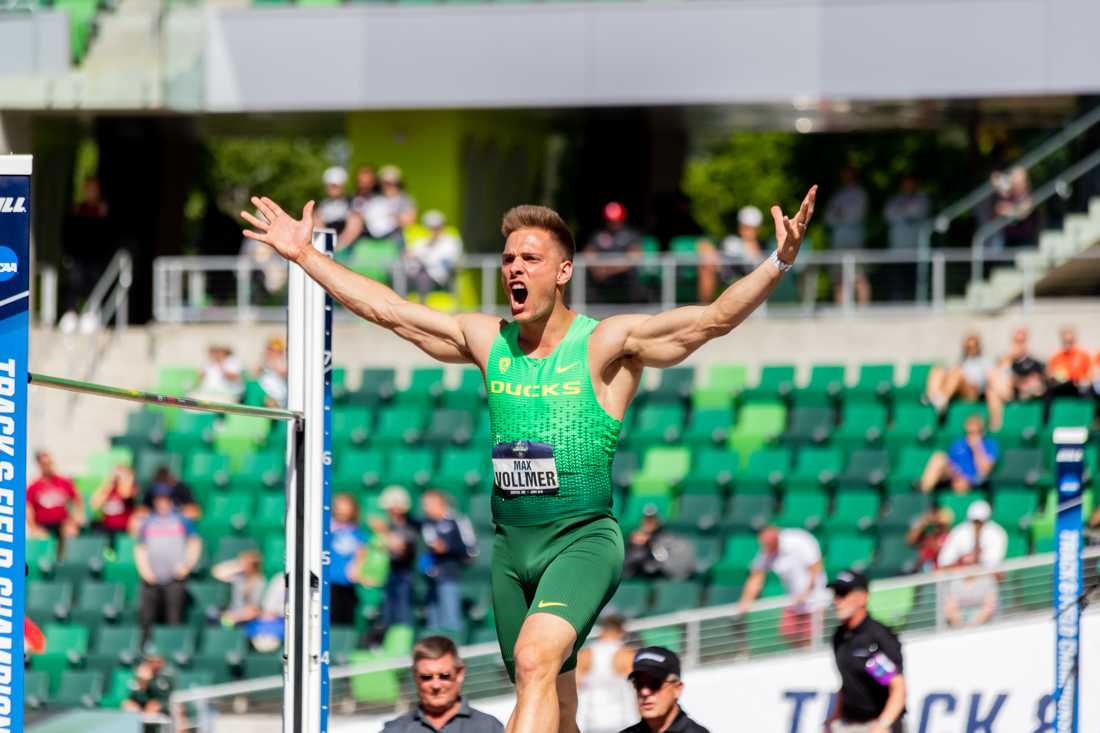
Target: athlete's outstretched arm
x,y
442,336
667,338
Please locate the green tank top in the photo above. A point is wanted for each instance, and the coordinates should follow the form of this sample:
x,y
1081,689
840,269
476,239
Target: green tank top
x,y
534,403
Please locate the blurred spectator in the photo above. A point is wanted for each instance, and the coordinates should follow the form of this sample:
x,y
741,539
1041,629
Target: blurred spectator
x,y
1012,200
183,499
845,215
967,380
795,556
1069,370
966,463
979,540
400,535
640,560
451,544
91,204
740,252
334,211
270,274
266,632
149,688
927,534
905,212
221,379
618,282
970,601
87,248
53,505
272,373
391,210
1017,376
430,261
245,576
168,547
606,702
438,673
349,551
115,501
366,185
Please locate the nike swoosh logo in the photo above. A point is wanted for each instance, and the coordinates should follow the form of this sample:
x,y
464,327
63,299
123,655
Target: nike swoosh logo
x,y
548,604
566,368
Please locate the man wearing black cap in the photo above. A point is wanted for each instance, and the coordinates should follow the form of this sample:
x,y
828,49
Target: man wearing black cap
x,y
656,679
868,656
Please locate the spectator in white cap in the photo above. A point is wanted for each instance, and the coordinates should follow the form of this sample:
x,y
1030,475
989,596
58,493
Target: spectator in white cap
x,y
977,541
388,213
399,532
739,252
334,210
430,260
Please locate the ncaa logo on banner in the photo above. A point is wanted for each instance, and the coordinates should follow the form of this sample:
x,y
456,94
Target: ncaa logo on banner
x,y
9,264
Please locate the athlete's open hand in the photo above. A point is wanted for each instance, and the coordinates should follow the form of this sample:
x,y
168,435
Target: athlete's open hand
x,y
277,229
790,232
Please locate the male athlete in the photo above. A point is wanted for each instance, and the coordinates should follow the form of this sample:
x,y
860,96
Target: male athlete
x,y
559,384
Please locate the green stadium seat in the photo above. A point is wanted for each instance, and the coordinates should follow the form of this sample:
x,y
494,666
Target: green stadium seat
x,y
66,647
711,471
174,643
1042,524
902,509
376,386
740,550
410,467
102,463
892,606
462,467
342,642
810,425
229,547
98,602
893,557
670,596
957,414
84,556
270,513
265,468
190,432
351,426
149,462
708,427
36,690
674,385
848,550
449,426
1018,544
1014,507
854,510
776,382
723,594
480,513
48,601
906,472
352,471
861,424
826,384
631,599
78,688
875,382
915,384
804,510
239,435
657,423
113,646
757,424
176,380
221,648
41,556
623,467
227,511
815,468
708,552
958,503
699,512
723,384
749,512
399,425
118,686
913,423
662,466
425,387
207,470
264,665
766,467
1018,467
208,599
866,467
1069,412
1023,421
339,381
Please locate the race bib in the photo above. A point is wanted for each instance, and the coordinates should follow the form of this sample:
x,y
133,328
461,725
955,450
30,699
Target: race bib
x,y
525,468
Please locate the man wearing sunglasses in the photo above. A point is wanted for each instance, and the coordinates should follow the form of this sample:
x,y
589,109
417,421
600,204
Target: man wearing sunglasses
x,y
438,673
656,680
868,657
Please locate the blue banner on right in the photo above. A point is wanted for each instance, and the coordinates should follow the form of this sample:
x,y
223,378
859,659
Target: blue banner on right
x,y
1069,459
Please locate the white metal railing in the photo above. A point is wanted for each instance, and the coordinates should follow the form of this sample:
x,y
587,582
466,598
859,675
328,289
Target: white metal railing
x,y
226,289
704,636
47,295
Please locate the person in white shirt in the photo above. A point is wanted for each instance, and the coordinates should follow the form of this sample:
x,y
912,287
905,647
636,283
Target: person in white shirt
x,y
795,556
430,261
607,703
845,214
221,377
978,540
390,211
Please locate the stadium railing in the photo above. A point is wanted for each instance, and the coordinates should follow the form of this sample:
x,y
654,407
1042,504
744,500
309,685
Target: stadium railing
x,y
706,636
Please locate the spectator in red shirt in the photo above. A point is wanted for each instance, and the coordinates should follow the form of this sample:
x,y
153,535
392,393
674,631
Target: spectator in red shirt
x,y
53,505
927,534
115,501
1071,368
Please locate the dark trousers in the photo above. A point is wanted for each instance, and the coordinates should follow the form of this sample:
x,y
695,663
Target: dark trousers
x,y
162,604
343,603
397,603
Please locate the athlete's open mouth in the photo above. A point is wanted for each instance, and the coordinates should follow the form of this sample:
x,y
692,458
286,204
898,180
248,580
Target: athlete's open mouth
x,y
519,293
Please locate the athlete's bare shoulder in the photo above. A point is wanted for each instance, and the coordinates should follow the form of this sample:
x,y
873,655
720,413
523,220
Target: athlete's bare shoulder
x,y
608,339
480,330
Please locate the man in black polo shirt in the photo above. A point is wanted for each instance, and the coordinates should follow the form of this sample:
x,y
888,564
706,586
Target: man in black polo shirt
x,y
868,657
656,679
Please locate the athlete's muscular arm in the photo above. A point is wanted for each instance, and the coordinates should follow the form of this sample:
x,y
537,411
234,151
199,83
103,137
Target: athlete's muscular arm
x,y
668,338
456,339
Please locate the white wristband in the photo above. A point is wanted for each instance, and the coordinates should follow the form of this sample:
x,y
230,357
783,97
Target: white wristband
x,y
779,264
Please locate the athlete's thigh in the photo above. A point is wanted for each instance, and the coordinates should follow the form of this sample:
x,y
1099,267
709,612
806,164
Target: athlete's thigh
x,y
510,600
581,579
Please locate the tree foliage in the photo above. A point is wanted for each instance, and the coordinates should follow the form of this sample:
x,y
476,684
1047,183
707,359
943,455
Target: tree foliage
x,y
286,169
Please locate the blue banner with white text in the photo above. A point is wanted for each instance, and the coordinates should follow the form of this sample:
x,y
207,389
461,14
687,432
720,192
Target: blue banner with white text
x,y
1068,465
15,223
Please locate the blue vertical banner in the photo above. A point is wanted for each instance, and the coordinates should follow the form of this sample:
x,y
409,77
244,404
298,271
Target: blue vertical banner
x,y
15,251
1069,459
328,242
